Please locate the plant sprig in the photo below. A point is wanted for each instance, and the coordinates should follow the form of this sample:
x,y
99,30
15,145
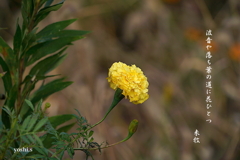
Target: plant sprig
x,y
24,124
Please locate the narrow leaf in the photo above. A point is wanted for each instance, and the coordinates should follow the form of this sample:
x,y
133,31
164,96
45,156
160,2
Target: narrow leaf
x,y
25,139
63,33
49,89
32,122
29,103
42,49
90,133
39,150
7,77
60,119
45,11
31,139
12,96
48,3
48,141
17,40
54,28
39,142
28,41
46,65
40,124
25,123
7,53
70,152
66,128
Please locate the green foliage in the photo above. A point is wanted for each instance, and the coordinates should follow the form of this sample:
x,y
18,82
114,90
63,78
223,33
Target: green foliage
x,y
26,132
23,123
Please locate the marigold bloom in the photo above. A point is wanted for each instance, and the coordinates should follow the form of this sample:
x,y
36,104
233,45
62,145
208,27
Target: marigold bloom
x,y
131,80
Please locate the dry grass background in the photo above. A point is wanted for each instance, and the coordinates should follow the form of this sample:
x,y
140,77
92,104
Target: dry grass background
x,y
166,39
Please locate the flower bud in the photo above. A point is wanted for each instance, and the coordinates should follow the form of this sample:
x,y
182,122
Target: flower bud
x,y
133,127
47,105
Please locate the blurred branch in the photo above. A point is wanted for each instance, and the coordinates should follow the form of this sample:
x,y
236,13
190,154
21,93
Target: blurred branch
x,y
207,18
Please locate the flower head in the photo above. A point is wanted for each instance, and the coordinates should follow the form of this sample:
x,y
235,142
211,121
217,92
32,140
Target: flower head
x,y
131,80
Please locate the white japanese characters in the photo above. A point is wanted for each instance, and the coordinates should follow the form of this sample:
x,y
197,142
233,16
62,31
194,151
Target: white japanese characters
x,y
196,139
208,69
208,76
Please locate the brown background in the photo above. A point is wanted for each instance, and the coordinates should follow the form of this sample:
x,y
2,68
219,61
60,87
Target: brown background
x,y
166,39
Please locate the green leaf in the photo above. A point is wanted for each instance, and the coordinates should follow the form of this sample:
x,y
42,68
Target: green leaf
x,y
28,4
46,65
3,139
1,125
32,122
31,138
48,3
66,128
11,97
26,110
48,89
6,116
29,40
64,33
45,11
38,108
42,49
39,142
48,141
48,9
7,110
92,139
44,77
29,103
25,139
7,81
39,151
60,119
54,28
17,40
70,152
43,1
27,10
61,154
59,144
40,124
90,133
25,123
7,53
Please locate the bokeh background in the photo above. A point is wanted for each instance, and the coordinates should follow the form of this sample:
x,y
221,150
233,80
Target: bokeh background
x,y
167,40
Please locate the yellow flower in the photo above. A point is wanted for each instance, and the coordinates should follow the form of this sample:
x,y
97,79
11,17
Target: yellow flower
x,y
131,80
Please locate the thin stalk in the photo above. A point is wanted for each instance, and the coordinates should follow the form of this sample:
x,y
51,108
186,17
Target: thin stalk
x,y
9,138
117,98
21,67
96,148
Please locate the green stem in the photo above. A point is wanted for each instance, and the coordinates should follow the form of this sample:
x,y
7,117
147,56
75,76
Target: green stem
x,y
96,148
21,67
9,140
118,96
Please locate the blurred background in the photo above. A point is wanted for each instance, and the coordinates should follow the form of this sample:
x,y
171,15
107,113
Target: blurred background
x,y
167,40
